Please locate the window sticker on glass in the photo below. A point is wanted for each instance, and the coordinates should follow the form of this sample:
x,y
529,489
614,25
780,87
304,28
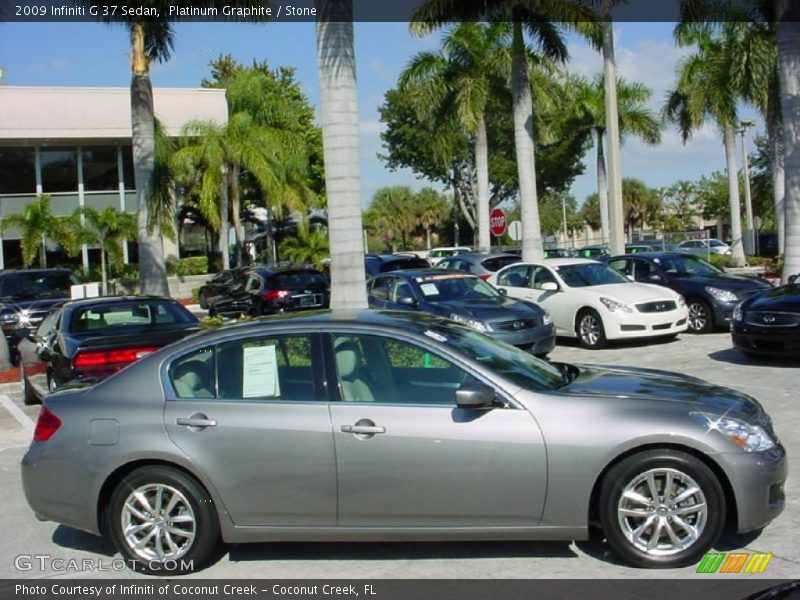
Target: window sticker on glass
x,y
429,289
435,336
260,372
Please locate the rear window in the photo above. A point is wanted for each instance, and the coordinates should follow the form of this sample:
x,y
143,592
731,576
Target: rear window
x,y
34,286
306,280
119,317
496,263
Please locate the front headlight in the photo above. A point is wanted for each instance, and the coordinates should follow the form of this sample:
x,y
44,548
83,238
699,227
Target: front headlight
x,y
681,300
750,438
738,313
471,323
615,306
9,321
547,319
722,295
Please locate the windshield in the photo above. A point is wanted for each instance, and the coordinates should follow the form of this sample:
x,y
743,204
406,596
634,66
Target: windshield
x,y
686,266
519,367
36,286
589,274
446,287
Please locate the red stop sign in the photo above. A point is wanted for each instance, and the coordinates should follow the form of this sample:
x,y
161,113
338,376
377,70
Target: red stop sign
x,y
497,222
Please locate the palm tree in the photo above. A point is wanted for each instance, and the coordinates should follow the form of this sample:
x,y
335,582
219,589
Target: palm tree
x,y
392,211
38,223
309,246
107,229
458,82
336,71
430,209
537,18
633,117
788,60
705,91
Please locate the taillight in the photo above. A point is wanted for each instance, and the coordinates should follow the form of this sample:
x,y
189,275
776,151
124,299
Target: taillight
x,y
104,358
275,294
46,425
485,277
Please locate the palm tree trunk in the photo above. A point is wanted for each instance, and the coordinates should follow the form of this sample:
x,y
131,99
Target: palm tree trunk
x,y
236,217
615,215
103,274
223,221
428,237
789,73
602,186
43,257
336,70
482,167
729,136
152,270
532,248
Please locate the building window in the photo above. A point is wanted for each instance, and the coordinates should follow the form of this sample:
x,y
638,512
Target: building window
x,y
127,168
17,171
100,172
59,169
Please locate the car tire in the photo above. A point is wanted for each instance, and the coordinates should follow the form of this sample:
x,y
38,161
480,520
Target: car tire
x,y
590,330
701,318
192,514
643,527
28,397
203,301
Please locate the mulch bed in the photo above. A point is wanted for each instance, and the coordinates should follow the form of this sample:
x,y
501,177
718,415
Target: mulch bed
x,y
10,376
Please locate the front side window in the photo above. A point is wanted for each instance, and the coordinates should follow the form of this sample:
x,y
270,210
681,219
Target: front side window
x,y
516,276
379,288
385,370
542,275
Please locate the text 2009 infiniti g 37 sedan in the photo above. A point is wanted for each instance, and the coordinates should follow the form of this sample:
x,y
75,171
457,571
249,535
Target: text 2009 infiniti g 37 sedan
x,y
396,426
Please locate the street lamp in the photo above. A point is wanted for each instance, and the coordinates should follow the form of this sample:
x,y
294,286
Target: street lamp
x,y
749,236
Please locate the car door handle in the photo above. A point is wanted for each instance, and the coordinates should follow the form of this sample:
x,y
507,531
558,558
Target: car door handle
x,y
363,429
198,421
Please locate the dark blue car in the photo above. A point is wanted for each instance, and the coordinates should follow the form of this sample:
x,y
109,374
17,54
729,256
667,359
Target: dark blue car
x,y
711,294
769,323
468,300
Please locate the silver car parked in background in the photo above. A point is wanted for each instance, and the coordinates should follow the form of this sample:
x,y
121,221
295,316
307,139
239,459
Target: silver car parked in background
x,y
397,426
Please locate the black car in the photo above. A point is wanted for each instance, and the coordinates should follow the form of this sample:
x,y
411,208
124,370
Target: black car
x,y
479,263
594,252
268,291
384,263
711,293
219,285
769,323
26,296
468,300
93,338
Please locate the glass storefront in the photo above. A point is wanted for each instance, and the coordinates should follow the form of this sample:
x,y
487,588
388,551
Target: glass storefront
x,y
17,171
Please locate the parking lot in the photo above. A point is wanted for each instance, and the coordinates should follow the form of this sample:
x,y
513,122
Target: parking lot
x,y
711,357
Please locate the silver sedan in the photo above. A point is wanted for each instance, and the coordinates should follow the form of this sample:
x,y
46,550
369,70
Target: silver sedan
x,y
396,426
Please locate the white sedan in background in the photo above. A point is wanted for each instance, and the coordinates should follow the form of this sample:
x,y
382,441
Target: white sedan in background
x,y
594,303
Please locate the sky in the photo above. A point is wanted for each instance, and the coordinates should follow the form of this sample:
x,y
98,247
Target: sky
x,y
92,54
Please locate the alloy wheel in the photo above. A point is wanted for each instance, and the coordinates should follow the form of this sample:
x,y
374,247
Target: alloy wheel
x,y
662,512
589,330
158,522
699,316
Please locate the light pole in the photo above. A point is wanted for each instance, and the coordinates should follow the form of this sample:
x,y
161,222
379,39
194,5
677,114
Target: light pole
x,y
749,236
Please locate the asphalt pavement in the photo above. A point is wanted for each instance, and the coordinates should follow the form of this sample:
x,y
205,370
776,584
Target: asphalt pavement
x,y
25,540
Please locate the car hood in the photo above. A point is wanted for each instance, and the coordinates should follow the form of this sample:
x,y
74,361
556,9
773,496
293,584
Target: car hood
x,y
664,386
490,309
633,292
726,281
786,299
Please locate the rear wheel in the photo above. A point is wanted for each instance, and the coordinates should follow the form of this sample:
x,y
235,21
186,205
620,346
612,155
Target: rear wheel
x,y
163,521
701,319
661,509
591,333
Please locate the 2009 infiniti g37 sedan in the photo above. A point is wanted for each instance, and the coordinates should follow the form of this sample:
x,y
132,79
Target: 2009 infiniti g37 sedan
x,y
397,426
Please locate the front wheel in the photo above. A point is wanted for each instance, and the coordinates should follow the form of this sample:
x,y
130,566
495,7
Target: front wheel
x,y
163,521
701,319
591,333
661,509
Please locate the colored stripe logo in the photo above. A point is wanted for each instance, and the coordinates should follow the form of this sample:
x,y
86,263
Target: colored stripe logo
x,y
734,562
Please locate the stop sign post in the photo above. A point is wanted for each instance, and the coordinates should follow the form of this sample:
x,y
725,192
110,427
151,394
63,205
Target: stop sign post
x,y
497,222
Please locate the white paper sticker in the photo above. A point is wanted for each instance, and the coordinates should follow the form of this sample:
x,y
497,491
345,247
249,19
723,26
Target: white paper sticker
x,y
429,289
260,372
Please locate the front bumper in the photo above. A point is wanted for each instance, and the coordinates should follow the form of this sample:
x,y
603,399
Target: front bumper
x,y
623,326
783,341
536,340
723,312
757,480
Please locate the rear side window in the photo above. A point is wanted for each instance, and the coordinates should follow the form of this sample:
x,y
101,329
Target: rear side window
x,y
496,263
406,263
308,280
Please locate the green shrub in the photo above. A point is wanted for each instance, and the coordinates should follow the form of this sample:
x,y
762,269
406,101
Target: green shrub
x,y
172,267
196,295
129,271
755,261
721,260
194,265
210,322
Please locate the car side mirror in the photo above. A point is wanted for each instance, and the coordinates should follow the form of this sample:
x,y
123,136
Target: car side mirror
x,y
630,277
475,395
793,278
549,286
655,278
407,301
